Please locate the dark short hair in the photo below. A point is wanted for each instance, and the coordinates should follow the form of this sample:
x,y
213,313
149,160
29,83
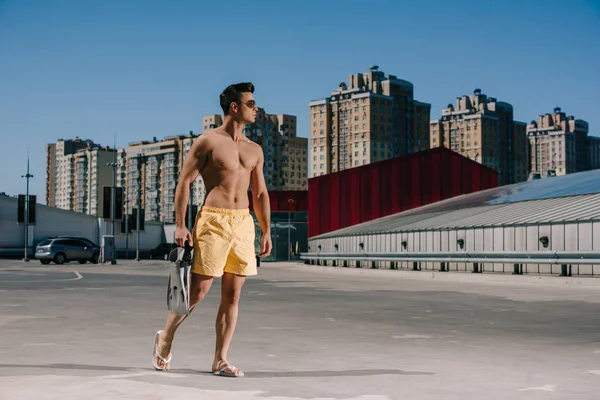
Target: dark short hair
x,y
233,94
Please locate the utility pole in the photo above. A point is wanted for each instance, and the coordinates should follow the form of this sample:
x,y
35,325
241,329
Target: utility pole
x,y
137,223
27,176
126,202
113,196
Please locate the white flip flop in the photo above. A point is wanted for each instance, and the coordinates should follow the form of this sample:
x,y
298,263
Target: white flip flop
x,y
156,354
222,372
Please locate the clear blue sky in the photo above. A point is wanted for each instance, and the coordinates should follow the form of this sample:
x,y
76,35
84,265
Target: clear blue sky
x,y
153,68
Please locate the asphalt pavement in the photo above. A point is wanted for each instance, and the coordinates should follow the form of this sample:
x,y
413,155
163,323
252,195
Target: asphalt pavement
x,y
304,332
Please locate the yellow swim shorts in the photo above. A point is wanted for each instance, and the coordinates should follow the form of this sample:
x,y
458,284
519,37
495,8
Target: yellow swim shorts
x,y
224,242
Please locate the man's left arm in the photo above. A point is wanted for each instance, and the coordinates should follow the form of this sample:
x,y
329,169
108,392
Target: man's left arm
x,y
262,206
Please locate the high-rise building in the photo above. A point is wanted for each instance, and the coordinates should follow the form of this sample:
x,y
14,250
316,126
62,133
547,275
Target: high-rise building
x,y
372,118
76,171
593,143
197,190
59,171
51,169
121,158
91,175
153,169
560,145
149,171
483,129
211,121
285,154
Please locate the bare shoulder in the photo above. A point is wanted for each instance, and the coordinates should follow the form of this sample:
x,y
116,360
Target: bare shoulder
x,y
205,141
254,147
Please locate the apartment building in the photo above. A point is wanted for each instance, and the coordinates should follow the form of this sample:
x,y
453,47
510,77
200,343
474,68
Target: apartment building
x,y
483,129
59,171
372,117
560,145
76,171
197,190
92,173
153,169
593,143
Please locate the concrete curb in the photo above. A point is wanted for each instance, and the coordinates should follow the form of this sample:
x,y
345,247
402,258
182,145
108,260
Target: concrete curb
x,y
452,276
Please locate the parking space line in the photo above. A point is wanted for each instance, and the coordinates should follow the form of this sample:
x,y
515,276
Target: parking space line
x,y
78,276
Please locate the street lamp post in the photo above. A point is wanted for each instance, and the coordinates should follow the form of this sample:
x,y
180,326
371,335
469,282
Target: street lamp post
x,y
126,204
141,186
137,224
113,200
138,216
27,176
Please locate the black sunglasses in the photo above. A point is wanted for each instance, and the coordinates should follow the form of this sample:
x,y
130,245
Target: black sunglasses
x,y
250,104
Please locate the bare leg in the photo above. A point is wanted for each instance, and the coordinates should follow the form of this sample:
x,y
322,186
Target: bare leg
x,y
231,291
198,289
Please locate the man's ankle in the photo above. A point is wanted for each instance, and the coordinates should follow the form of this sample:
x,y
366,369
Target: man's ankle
x,y
165,337
220,362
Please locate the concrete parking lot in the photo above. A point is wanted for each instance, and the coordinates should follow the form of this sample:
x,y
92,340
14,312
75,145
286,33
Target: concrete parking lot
x,y
304,332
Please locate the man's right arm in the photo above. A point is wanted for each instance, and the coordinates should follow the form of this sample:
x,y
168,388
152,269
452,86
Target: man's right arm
x,y
193,163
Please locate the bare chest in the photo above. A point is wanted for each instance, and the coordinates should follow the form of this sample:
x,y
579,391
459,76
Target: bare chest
x,y
232,158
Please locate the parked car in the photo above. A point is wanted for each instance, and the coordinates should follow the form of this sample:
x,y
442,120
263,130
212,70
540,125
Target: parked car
x,y
67,248
162,251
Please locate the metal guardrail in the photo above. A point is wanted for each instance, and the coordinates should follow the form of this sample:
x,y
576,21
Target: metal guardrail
x,y
505,257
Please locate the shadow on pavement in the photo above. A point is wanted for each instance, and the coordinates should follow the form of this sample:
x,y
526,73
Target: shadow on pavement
x,y
258,374
71,367
331,374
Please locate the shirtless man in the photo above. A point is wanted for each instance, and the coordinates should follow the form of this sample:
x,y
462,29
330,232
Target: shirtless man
x,y
223,234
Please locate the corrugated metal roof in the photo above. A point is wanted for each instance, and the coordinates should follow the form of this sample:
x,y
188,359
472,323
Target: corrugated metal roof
x,y
573,197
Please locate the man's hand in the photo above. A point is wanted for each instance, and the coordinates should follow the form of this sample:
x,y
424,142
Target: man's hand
x,y
265,245
182,235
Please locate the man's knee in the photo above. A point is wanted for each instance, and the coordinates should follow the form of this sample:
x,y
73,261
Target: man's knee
x,y
231,296
199,288
197,294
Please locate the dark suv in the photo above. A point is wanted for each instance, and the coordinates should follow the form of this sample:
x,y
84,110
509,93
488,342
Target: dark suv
x,y
162,251
65,248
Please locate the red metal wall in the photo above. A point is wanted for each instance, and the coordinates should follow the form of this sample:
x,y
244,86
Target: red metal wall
x,y
280,200
387,187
